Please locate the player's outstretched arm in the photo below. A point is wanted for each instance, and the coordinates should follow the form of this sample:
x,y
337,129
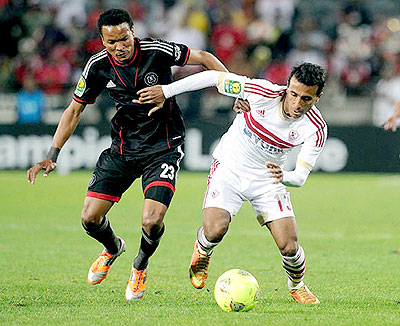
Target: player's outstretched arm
x,y
66,127
206,59
158,93
210,62
391,123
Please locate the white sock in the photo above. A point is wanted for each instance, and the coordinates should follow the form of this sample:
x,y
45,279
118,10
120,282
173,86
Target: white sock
x,y
295,267
205,247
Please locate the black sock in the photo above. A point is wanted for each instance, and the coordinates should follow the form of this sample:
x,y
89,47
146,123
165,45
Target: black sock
x,y
148,246
104,234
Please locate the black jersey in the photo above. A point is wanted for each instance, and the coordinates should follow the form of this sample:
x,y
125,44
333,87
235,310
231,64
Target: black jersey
x,y
133,132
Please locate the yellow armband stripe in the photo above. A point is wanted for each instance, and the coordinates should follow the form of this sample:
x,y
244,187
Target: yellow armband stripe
x,y
304,165
221,82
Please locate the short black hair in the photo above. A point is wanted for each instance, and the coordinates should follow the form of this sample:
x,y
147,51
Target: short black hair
x,y
114,17
309,74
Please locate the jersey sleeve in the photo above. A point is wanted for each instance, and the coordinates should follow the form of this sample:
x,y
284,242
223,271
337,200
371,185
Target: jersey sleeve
x,y
261,90
173,54
90,85
312,147
231,84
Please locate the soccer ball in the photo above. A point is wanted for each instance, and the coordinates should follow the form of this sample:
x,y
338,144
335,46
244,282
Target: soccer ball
x,y
236,290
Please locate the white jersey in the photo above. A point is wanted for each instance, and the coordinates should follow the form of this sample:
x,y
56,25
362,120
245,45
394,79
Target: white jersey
x,y
266,133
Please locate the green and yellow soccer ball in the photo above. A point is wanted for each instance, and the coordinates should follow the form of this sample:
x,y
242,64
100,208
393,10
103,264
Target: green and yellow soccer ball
x,y
236,290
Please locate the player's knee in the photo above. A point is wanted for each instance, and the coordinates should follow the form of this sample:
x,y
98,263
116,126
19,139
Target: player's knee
x,y
216,232
289,249
152,221
89,216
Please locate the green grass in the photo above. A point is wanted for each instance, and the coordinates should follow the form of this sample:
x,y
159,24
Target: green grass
x,y
348,225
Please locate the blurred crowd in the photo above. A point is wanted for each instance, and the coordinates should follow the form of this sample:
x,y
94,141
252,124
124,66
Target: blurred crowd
x,y
47,42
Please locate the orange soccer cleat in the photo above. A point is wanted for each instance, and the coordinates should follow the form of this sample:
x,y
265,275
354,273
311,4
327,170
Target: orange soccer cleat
x,y
304,296
99,269
136,285
198,271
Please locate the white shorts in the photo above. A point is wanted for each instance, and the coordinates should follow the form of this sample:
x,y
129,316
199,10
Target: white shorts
x,y
228,190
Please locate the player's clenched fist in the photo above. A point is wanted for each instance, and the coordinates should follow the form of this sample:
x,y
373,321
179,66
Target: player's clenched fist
x,y
46,165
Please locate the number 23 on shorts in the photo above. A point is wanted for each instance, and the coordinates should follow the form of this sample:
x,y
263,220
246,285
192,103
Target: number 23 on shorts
x,y
168,171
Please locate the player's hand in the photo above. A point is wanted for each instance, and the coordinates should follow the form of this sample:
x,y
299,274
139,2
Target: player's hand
x,y
274,171
390,123
46,165
241,106
151,95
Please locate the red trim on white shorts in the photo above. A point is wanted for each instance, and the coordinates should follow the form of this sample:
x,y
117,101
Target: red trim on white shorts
x,y
214,166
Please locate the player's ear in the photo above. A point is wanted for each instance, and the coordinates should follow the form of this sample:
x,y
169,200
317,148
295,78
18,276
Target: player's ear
x,y
288,82
318,97
133,31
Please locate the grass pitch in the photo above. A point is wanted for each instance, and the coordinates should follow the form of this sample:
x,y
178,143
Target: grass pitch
x,y
348,225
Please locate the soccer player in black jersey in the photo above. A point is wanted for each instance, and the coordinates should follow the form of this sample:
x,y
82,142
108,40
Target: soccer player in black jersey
x,y
145,143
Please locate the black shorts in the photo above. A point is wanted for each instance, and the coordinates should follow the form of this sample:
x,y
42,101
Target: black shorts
x,y
114,174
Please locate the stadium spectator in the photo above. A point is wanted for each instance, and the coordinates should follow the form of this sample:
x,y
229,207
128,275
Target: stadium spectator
x,y
278,71
144,143
198,19
386,95
68,10
309,44
30,102
362,34
187,34
354,48
280,13
52,35
247,161
34,18
303,51
54,75
12,27
7,77
92,43
162,19
227,39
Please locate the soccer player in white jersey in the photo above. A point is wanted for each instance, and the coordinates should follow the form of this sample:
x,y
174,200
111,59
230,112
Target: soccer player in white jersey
x,y
392,122
247,162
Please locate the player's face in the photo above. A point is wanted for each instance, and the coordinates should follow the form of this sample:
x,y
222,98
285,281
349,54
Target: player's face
x,y
119,41
299,98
